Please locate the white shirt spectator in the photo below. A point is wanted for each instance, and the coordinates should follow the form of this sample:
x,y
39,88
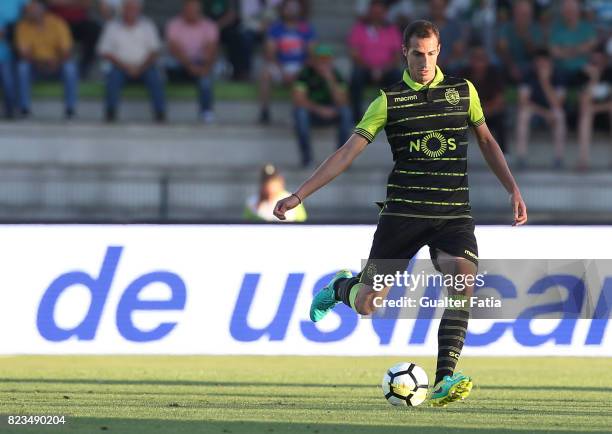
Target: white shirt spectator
x,y
131,45
255,13
458,9
402,9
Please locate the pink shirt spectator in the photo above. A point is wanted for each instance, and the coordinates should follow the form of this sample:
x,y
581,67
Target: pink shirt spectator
x,y
193,38
377,47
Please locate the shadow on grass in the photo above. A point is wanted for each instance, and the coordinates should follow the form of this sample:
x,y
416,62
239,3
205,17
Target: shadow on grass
x,y
176,383
195,383
153,426
285,409
549,388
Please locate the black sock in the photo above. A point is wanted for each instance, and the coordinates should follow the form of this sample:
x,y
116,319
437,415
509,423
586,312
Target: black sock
x,y
342,288
451,336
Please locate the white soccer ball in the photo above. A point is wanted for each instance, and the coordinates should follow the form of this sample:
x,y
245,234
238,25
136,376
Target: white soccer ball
x,y
405,384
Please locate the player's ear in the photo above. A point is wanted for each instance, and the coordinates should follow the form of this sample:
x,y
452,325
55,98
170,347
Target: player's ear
x,y
404,50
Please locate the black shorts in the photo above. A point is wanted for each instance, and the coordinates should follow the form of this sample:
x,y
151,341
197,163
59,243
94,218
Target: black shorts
x,y
398,239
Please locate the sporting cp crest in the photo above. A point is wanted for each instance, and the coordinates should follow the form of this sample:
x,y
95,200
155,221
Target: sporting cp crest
x,y
452,96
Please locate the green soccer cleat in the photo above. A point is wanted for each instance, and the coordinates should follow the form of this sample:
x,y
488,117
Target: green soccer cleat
x,y
451,389
325,300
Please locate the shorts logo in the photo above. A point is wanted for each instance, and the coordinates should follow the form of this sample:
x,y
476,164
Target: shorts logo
x,y
467,252
452,96
428,145
371,270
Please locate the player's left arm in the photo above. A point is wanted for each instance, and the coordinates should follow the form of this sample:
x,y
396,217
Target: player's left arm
x,y
494,157
497,162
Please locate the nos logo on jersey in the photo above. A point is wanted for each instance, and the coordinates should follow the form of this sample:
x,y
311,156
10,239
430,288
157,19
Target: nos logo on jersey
x,y
434,145
452,96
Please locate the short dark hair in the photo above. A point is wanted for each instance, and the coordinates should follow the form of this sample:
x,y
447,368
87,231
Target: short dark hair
x,y
421,29
542,52
378,3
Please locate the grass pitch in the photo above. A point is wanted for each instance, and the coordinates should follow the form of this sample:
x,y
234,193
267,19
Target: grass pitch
x,y
297,395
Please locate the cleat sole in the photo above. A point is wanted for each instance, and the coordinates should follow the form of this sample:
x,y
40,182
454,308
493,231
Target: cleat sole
x,y
458,392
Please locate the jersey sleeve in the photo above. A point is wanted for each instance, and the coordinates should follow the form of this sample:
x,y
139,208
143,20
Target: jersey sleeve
x,y
475,111
374,119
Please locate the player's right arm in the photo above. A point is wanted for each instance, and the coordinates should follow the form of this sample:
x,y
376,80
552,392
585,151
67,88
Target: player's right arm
x,y
337,163
372,123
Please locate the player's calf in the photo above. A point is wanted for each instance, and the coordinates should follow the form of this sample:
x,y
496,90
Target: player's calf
x,y
454,323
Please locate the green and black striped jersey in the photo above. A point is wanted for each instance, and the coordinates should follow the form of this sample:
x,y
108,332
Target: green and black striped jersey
x,y
426,126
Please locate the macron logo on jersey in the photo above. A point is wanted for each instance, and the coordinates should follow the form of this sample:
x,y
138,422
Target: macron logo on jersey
x,y
405,98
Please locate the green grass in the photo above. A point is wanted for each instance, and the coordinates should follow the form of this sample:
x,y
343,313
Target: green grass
x,y
297,395
226,91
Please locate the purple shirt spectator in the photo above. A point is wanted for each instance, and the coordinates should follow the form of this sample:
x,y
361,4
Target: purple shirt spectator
x,y
193,38
377,47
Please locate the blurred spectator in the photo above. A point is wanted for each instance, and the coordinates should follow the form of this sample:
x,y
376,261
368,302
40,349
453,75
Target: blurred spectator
x,y
600,11
110,9
572,40
375,46
10,13
85,30
44,44
256,16
259,207
544,13
131,45
453,36
6,75
193,42
489,81
483,23
518,41
225,14
460,10
320,96
402,12
597,98
288,45
504,10
542,95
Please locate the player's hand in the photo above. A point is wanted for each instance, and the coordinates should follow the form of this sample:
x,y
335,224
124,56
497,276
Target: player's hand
x,y
327,112
284,205
51,65
195,70
326,71
288,78
133,71
519,208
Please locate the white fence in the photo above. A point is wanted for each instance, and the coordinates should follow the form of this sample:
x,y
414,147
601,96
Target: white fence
x,y
246,290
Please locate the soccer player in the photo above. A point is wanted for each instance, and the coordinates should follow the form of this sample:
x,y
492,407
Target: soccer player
x,y
426,117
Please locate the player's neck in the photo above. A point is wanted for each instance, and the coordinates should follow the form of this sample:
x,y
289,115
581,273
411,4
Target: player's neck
x,y
425,82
